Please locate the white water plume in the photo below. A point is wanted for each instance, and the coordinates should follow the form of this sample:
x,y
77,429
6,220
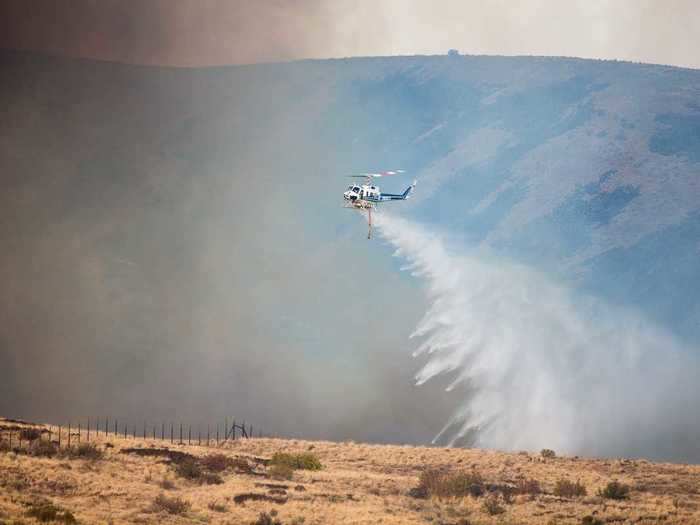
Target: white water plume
x,y
544,366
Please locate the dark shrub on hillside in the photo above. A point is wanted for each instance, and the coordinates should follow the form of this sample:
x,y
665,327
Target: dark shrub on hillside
x,y
614,490
267,519
590,520
188,469
568,489
548,453
450,484
528,486
170,505
217,462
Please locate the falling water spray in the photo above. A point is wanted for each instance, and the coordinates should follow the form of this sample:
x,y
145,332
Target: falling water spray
x,y
544,365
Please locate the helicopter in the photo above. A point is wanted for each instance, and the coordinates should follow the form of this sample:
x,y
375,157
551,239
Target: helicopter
x,y
366,195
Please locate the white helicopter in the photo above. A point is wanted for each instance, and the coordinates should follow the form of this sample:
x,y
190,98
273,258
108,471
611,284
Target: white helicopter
x,y
366,196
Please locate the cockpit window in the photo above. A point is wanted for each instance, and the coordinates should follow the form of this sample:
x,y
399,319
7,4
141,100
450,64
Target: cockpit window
x,y
350,188
356,188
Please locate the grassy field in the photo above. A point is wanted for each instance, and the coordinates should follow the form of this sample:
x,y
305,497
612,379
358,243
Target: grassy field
x,y
291,482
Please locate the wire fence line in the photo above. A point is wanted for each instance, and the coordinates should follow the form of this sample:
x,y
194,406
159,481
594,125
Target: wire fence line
x,y
17,432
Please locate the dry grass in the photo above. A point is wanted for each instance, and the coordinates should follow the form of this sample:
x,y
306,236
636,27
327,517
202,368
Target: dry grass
x,y
359,484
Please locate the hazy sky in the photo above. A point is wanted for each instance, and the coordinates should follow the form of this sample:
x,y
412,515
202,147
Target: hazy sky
x,y
210,32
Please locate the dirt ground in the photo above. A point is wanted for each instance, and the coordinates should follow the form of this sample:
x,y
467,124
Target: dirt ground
x,y
358,484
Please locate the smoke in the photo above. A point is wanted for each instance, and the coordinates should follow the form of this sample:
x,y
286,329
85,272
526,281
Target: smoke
x,y
545,366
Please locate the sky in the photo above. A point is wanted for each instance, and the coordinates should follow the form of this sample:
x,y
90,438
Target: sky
x,y
218,32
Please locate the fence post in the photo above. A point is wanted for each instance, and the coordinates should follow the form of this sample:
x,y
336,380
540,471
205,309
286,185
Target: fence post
x,y
171,432
59,436
199,436
106,426
233,430
144,429
162,430
154,431
189,434
226,428
116,431
88,430
250,434
207,434
180,433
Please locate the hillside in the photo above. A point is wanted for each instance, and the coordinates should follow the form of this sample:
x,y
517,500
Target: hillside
x,y
174,245
357,483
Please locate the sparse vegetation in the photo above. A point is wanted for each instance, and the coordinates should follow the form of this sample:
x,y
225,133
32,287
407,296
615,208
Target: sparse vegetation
x,y
548,453
302,461
615,490
170,505
360,483
569,489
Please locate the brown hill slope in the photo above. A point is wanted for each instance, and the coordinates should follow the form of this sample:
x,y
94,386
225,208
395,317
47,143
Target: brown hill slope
x,y
136,480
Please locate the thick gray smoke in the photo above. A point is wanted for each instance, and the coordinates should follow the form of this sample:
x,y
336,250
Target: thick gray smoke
x,y
546,367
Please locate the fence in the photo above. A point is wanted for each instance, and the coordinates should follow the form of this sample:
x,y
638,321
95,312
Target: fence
x,y
88,429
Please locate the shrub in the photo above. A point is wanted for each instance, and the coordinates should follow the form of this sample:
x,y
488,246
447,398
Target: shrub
x,y
590,520
217,462
568,489
267,519
445,484
188,469
548,453
302,461
45,511
41,448
492,507
170,505
4,446
528,486
281,472
614,490
82,451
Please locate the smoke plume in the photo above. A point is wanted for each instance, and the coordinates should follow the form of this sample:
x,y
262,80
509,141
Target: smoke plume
x,y
545,366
